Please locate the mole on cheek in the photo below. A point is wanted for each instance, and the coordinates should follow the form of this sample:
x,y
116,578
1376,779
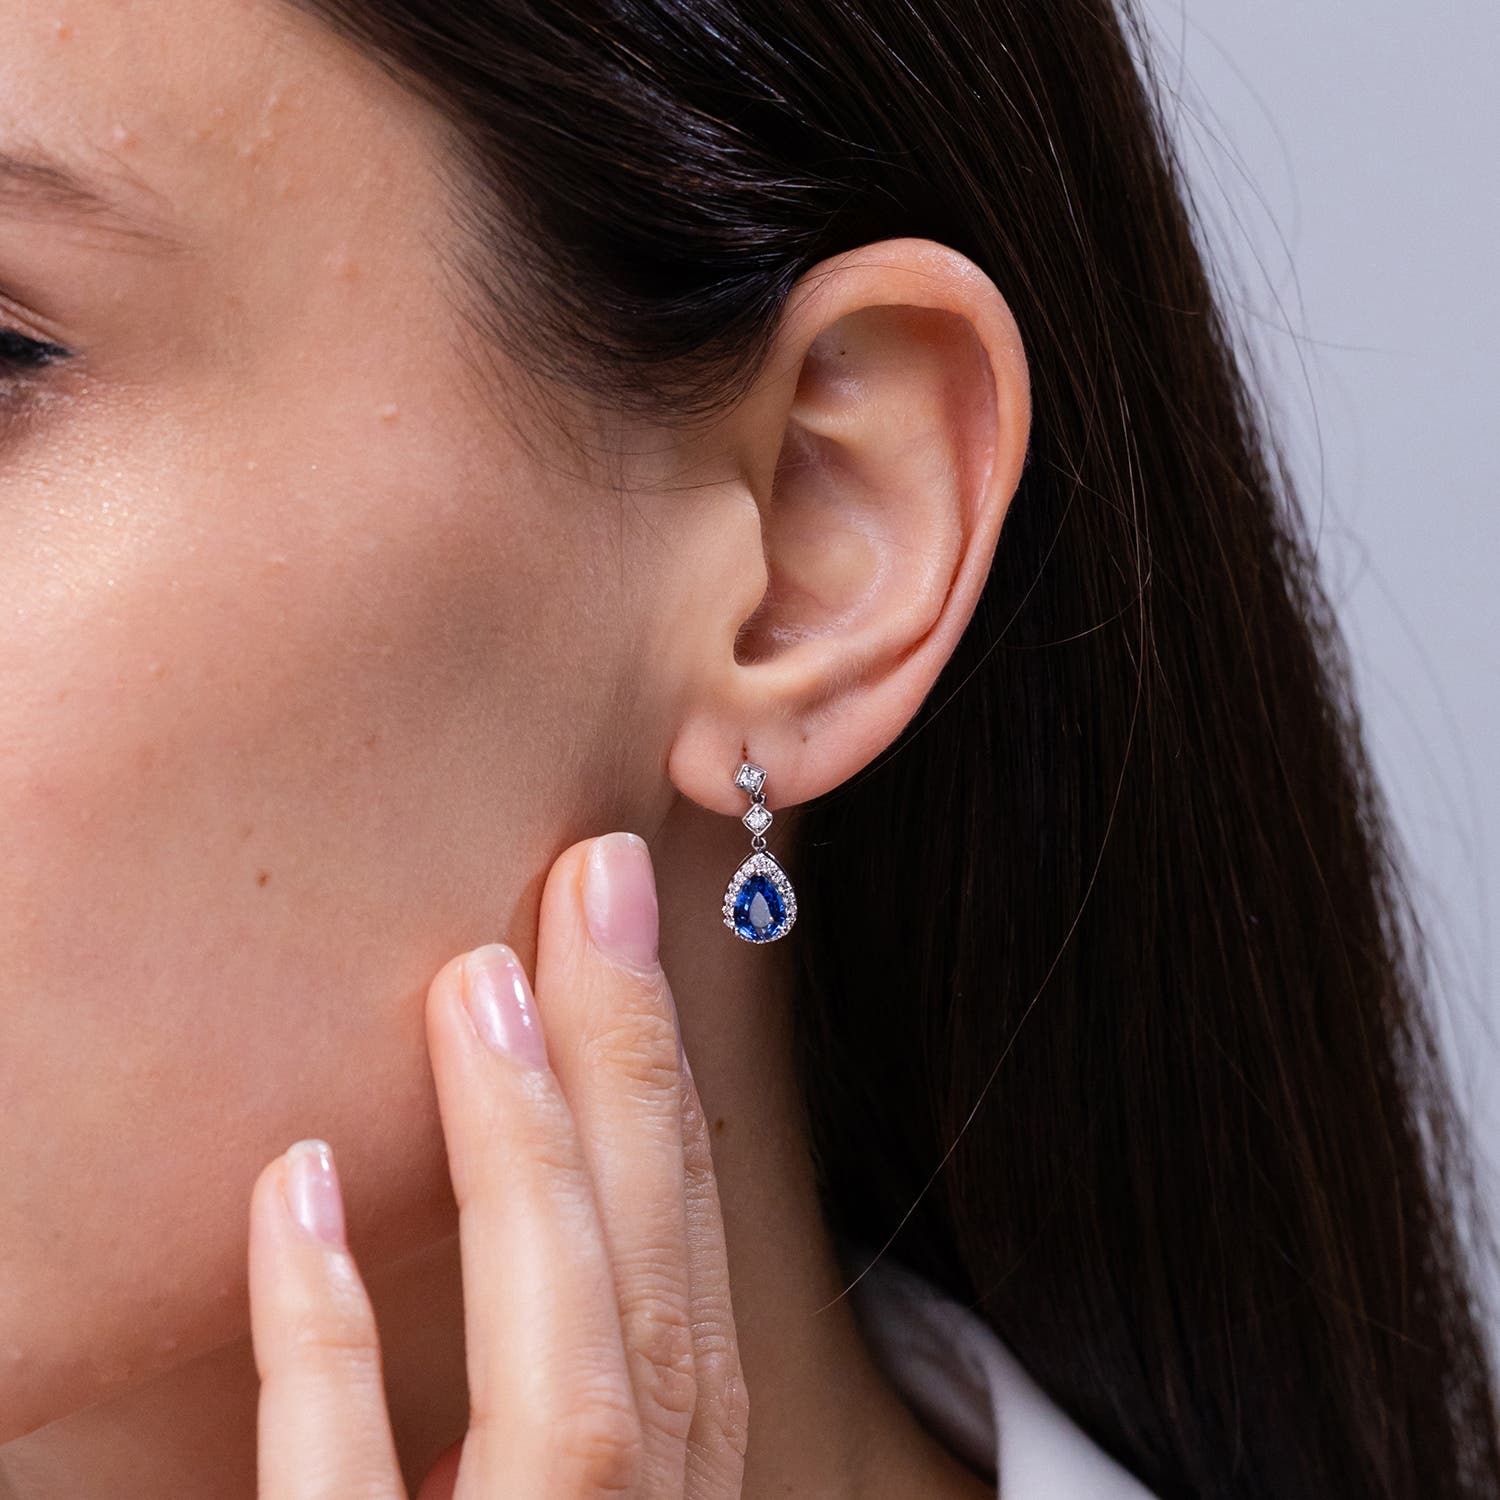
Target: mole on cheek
x,y
262,876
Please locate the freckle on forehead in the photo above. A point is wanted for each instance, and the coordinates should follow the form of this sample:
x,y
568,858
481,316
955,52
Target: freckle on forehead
x,y
340,264
202,129
253,142
256,139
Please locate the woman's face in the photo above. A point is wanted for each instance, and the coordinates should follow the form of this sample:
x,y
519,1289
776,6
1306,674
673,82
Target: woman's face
x,y
294,627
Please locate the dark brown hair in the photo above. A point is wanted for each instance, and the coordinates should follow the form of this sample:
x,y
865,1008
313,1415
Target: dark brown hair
x,y
1113,997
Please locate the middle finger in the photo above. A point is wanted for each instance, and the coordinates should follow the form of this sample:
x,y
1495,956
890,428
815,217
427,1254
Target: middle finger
x,y
617,1054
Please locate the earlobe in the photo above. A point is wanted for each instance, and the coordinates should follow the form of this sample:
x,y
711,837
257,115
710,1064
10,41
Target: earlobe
x,y
881,448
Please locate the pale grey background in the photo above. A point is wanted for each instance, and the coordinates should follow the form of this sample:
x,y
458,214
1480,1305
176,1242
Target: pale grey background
x,y
1348,159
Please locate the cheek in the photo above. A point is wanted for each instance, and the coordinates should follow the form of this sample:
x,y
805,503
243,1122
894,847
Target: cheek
x,y
257,778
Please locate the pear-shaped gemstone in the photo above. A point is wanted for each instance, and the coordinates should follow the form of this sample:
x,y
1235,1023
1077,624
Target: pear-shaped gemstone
x,y
759,911
759,902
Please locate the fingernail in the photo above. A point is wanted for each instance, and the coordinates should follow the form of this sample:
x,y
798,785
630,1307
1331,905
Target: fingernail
x,y
619,898
498,998
311,1184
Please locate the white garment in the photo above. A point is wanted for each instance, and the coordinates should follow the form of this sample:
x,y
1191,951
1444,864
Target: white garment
x,y
973,1393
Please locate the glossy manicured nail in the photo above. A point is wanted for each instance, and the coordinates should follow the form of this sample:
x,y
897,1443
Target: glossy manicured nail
x,y
619,899
500,1003
312,1191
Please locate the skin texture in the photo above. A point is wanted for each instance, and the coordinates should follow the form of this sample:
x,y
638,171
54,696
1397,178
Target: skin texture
x,y
315,656
601,1361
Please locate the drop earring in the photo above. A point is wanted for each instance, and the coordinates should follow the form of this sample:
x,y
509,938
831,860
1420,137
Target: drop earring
x,y
760,904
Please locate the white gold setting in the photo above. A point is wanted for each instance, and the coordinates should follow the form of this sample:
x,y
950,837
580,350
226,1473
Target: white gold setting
x,y
771,906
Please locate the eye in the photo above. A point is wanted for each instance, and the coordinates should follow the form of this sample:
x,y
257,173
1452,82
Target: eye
x,y
19,354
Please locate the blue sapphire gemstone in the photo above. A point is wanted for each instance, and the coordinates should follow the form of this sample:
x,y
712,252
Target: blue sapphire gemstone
x,y
759,912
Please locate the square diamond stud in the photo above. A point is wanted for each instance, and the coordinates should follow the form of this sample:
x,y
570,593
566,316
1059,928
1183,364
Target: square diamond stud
x,y
750,778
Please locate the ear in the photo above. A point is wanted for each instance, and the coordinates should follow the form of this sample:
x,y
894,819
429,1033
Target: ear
x,y
876,457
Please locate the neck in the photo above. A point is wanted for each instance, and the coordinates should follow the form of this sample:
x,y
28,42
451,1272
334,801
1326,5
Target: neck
x,y
825,1421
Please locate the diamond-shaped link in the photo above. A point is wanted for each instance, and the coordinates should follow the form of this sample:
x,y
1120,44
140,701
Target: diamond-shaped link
x,y
750,778
758,818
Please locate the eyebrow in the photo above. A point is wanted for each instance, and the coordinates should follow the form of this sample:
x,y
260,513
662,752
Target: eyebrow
x,y
37,182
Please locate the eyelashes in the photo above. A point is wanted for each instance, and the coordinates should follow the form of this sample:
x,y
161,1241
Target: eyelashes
x,y
22,361
20,355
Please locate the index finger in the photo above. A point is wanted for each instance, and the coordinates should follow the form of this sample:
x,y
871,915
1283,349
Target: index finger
x,y
323,1430
551,1409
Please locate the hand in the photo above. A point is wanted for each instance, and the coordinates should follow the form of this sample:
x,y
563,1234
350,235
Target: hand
x,y
600,1343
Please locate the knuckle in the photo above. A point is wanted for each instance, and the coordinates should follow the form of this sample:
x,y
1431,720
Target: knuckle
x,y
659,1345
337,1327
335,1351
694,1121
639,1039
724,1402
548,1138
541,1136
700,1182
599,1445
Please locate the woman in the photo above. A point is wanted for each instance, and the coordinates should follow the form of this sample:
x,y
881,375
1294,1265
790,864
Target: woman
x,y
443,444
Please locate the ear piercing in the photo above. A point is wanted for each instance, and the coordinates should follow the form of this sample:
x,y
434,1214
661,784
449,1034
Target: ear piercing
x,y
759,904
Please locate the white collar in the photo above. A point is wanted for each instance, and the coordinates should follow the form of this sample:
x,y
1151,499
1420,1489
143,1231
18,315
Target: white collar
x,y
973,1393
